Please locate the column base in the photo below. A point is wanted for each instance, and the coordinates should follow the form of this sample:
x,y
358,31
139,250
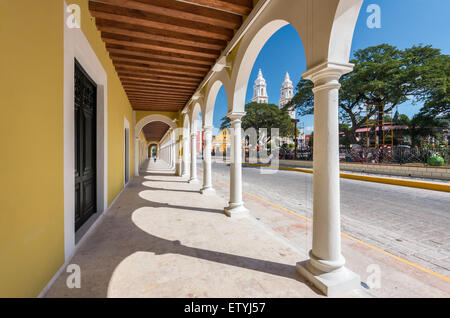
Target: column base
x,y
185,176
207,191
193,181
332,283
236,211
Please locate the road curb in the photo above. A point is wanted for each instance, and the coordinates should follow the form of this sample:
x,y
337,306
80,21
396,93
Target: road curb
x,y
399,182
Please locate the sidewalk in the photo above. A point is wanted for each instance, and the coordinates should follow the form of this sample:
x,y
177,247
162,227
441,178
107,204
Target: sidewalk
x,y
161,238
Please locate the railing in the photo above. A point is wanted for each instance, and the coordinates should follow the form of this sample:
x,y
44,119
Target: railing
x,y
380,155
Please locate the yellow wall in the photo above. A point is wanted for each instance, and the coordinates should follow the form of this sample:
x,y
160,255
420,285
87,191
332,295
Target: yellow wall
x,y
31,105
118,106
31,184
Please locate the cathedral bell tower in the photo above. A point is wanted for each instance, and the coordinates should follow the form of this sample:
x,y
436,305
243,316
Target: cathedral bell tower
x,y
287,93
260,90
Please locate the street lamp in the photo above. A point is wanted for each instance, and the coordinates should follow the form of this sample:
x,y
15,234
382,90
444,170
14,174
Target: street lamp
x,y
295,121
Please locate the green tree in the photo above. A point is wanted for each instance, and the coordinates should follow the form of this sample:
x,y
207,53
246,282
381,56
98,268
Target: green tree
x,y
383,78
436,94
267,116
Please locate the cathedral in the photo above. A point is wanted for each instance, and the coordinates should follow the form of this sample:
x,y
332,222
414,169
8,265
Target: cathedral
x,y
260,92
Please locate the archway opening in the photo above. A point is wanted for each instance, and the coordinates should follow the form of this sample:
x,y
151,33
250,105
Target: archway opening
x,y
152,128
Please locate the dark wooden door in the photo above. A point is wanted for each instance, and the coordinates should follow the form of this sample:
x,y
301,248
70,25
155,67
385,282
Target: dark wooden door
x,y
85,146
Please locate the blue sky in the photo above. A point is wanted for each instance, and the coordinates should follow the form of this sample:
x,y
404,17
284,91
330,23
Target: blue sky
x,y
404,23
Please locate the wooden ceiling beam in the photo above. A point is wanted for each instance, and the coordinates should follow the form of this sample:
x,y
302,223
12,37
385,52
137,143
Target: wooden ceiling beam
x,y
126,79
149,86
158,70
155,91
181,10
156,96
150,94
132,16
163,36
158,46
157,65
168,56
154,76
241,7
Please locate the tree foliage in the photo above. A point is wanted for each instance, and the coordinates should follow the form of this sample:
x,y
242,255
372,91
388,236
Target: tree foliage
x,y
384,77
267,116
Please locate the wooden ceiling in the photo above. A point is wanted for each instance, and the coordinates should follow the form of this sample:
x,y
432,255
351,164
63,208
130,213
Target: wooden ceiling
x,y
155,130
162,49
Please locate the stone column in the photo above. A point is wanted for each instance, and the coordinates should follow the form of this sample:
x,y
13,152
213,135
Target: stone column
x,y
185,156
325,268
236,206
136,153
177,157
171,152
207,176
193,178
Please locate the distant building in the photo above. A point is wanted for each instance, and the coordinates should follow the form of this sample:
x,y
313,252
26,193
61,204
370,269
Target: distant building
x,y
260,90
287,93
221,142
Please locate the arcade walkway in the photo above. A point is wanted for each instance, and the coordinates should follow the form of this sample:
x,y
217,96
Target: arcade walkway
x,y
161,238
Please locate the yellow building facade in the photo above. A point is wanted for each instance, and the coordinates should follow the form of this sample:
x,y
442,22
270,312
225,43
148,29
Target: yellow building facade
x,y
221,142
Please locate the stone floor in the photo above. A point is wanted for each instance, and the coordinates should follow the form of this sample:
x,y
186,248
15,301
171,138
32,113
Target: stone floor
x,y
161,238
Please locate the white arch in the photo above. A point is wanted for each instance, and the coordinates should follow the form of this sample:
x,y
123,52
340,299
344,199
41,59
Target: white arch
x,y
219,80
138,128
208,108
194,113
247,59
325,27
343,30
152,118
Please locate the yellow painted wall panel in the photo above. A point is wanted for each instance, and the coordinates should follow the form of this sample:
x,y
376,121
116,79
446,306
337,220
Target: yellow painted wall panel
x,y
31,138
31,108
118,106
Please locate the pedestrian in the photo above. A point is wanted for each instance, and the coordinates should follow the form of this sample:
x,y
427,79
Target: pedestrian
x,y
154,158
270,158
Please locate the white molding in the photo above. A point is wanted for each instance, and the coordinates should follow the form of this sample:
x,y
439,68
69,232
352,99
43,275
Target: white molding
x,y
127,126
76,46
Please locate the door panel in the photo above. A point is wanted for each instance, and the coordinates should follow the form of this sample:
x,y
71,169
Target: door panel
x,y
85,146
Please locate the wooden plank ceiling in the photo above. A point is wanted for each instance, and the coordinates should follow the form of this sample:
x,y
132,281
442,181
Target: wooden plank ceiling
x,y
162,49
155,131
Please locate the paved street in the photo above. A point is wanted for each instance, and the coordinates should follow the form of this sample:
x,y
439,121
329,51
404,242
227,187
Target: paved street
x,y
411,223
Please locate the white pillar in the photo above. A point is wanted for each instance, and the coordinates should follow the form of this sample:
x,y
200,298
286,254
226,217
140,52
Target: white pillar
x,y
177,157
136,154
193,158
185,156
236,206
207,175
325,268
170,149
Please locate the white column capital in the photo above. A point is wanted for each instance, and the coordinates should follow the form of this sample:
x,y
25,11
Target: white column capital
x,y
235,116
208,129
327,75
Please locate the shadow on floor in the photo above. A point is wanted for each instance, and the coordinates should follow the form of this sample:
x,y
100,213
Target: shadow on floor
x,y
117,237
164,189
